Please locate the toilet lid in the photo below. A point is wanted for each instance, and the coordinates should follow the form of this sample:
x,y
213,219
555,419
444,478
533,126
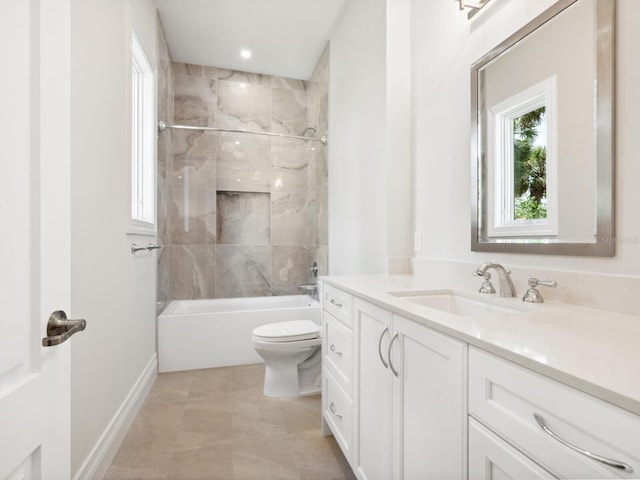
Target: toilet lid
x,y
287,331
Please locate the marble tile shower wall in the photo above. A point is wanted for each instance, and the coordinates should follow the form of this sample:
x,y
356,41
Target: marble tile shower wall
x,y
247,213
318,115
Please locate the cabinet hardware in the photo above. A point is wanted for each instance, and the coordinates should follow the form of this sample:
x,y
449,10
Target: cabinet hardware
x,y
393,339
332,407
386,329
333,302
593,456
333,349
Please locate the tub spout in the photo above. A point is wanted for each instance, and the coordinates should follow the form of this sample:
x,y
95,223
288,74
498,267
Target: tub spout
x,y
310,288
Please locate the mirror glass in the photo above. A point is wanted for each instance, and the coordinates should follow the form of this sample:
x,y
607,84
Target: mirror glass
x,y
542,125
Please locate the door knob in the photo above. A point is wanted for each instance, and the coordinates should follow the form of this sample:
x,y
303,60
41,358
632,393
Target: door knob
x,y
59,329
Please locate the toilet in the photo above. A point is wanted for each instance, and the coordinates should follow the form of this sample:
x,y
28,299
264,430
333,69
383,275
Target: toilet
x,y
292,354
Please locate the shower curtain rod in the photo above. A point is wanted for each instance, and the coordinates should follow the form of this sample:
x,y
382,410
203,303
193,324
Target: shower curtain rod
x,y
162,126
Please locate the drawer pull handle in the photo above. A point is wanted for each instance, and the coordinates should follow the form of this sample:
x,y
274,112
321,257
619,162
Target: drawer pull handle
x,y
386,329
333,349
393,339
332,407
333,302
593,456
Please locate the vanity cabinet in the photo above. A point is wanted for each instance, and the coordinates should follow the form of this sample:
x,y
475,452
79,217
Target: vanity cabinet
x,y
582,433
338,366
410,411
405,401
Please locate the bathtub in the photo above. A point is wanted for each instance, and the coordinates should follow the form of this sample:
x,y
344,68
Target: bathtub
x,y
214,333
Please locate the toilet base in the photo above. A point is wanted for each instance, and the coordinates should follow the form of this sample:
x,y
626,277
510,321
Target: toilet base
x,y
284,380
303,391
281,381
307,390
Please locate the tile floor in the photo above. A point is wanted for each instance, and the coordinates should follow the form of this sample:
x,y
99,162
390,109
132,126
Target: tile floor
x,y
216,424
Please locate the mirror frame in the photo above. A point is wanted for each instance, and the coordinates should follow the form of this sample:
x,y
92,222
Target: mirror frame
x,y
604,246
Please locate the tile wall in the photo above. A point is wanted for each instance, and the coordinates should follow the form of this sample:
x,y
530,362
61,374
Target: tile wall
x,y
242,215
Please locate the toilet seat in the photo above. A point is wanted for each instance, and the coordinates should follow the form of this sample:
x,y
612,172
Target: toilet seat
x,y
294,331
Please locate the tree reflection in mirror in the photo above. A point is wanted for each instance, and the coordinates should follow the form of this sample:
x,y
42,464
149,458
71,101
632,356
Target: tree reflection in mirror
x,y
530,165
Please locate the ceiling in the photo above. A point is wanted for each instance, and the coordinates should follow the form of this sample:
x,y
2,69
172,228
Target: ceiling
x,y
286,37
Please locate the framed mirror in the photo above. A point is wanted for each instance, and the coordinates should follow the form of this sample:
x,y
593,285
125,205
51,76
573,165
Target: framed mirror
x,y
542,135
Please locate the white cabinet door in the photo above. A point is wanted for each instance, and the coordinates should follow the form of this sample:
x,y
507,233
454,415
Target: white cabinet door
x,y
429,414
373,393
410,399
35,242
491,458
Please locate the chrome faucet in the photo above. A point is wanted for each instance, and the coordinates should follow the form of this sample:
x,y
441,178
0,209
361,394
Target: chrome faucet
x,y
311,289
506,285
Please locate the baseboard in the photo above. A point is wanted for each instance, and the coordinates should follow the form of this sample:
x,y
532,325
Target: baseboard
x,y
97,462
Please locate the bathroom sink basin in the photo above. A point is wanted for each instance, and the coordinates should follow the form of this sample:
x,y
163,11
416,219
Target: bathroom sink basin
x,y
455,303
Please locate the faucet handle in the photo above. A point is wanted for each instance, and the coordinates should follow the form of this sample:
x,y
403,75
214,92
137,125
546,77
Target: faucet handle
x,y
533,295
534,282
314,269
487,286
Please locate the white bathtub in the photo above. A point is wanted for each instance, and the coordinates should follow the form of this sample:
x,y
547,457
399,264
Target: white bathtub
x,y
214,333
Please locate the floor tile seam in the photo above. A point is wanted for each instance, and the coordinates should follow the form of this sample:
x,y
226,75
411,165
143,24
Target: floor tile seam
x,y
174,452
236,473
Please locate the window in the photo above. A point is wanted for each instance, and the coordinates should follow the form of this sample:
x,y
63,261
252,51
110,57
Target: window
x,y
142,141
522,183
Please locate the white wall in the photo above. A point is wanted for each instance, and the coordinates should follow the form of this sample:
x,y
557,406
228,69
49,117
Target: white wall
x,y
444,45
113,289
369,164
357,190
398,125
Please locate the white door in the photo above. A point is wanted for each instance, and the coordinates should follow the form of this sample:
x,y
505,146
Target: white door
x,y
35,241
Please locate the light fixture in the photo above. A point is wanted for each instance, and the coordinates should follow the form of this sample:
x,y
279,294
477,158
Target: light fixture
x,y
474,5
245,53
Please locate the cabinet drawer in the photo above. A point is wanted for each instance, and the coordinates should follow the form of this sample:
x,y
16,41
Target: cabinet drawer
x,y
505,397
337,412
338,350
338,303
491,458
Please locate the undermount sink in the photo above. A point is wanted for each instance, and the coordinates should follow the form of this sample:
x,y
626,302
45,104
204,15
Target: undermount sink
x,y
455,303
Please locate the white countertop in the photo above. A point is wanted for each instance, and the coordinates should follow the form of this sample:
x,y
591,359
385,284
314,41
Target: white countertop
x,y
595,351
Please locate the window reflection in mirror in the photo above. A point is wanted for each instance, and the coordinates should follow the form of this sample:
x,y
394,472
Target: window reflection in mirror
x,y
522,163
